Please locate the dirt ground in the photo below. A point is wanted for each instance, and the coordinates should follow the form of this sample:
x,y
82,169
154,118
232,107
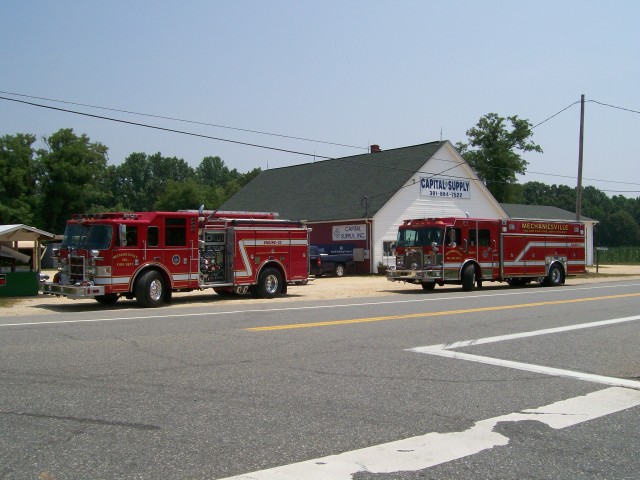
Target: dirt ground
x,y
323,288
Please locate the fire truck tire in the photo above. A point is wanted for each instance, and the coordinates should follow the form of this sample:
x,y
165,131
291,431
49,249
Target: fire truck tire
x,y
339,270
269,284
555,277
108,299
468,278
150,290
428,285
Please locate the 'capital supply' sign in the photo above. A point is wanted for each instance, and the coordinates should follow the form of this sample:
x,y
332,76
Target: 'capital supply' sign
x,y
445,187
344,233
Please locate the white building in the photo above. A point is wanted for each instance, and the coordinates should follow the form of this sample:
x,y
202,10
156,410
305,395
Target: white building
x,y
358,202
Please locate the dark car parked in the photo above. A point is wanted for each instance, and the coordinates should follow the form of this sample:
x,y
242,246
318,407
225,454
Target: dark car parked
x,y
321,263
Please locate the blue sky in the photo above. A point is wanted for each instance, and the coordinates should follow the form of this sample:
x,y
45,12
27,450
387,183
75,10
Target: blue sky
x,y
393,73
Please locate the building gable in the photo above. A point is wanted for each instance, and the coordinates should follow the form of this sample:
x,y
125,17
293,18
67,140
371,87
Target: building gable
x,y
342,188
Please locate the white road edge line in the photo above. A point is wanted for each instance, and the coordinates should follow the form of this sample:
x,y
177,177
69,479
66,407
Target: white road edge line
x,y
425,451
446,350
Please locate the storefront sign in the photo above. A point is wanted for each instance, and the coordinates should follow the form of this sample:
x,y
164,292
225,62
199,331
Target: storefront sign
x,y
347,233
445,187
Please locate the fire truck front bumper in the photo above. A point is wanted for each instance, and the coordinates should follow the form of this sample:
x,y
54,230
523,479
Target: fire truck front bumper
x,y
414,276
71,291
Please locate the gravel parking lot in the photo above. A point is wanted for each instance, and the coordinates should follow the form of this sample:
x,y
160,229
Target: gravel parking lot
x,y
323,288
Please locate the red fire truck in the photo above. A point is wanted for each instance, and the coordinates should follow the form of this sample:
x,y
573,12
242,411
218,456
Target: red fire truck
x,y
149,255
469,251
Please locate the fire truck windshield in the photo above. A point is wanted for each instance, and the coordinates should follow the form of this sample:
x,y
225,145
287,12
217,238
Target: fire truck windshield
x,y
419,237
90,237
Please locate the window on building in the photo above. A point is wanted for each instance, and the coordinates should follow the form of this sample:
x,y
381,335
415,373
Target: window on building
x,y
387,250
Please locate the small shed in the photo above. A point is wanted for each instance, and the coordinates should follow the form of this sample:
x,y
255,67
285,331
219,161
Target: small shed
x,y
19,273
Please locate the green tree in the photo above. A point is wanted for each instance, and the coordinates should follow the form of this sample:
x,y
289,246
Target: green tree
x,y
619,229
595,203
213,172
247,177
141,179
180,196
563,196
491,152
536,193
70,173
17,179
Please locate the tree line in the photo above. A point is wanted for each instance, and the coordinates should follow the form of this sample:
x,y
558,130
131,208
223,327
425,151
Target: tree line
x,y
42,187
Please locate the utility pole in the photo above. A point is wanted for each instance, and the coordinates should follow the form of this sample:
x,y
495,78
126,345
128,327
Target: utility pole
x,y
580,150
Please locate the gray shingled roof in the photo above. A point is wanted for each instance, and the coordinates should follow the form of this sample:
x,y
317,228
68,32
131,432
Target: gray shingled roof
x,y
333,189
540,212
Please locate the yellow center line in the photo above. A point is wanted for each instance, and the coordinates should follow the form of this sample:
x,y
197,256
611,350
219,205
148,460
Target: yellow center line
x,y
434,314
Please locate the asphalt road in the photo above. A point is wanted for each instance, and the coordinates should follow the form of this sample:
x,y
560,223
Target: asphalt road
x,y
499,383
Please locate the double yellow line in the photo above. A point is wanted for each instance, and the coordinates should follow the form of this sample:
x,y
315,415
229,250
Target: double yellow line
x,y
433,314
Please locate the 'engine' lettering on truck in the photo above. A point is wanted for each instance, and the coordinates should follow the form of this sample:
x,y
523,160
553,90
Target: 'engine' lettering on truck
x,y
150,255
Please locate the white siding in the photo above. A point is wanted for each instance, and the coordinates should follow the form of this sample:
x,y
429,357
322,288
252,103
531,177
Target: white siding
x,y
407,202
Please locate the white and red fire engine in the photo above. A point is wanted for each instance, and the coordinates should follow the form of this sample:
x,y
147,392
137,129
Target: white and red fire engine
x,y
469,251
149,255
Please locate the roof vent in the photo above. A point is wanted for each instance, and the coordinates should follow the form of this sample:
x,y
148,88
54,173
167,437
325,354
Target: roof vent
x,y
375,148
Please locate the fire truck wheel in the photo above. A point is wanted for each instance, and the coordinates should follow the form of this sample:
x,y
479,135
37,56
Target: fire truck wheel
x,y
269,283
468,278
108,299
428,285
150,289
339,270
555,277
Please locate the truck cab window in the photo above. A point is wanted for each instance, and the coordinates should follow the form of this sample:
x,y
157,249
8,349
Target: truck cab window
x,y
131,237
175,233
453,237
484,237
152,236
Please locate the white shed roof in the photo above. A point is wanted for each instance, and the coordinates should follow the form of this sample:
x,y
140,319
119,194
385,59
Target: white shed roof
x,y
14,233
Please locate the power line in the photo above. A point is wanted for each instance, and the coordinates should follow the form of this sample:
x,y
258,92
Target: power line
x,y
554,115
613,106
164,129
292,137
183,120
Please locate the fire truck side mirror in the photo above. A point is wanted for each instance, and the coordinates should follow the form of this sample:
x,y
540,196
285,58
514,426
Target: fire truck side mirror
x,y
122,234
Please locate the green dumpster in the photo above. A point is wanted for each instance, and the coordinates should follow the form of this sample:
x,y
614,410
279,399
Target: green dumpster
x,y
19,284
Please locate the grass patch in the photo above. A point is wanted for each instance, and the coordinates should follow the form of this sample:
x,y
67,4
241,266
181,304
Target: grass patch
x,y
620,256
6,302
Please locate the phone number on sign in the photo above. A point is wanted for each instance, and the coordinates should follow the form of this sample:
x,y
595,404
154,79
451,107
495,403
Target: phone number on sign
x,y
445,194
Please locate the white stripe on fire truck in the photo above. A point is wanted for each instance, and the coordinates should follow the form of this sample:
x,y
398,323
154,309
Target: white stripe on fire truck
x,y
243,244
458,265
530,245
185,276
281,241
111,281
245,258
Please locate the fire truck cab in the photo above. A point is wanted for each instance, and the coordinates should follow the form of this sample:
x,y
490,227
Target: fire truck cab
x,y
469,251
149,255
